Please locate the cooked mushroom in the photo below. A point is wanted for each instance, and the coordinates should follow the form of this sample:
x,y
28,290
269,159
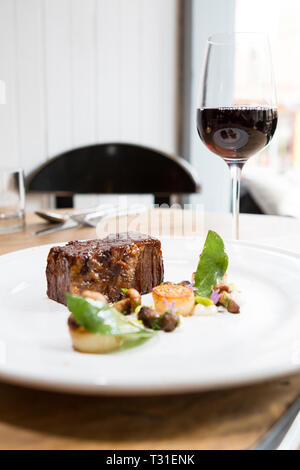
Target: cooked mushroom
x,y
131,301
169,321
90,294
152,319
148,316
135,299
223,288
123,306
229,303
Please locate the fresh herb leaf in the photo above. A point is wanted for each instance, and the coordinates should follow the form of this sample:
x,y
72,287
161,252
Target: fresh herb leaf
x,y
85,313
99,317
156,324
137,309
212,265
226,300
203,300
124,290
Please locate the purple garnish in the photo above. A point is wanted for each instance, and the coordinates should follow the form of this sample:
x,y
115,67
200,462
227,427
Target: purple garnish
x,y
215,296
190,285
173,309
170,306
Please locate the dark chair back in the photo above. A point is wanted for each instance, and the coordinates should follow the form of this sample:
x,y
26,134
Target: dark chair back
x,y
114,169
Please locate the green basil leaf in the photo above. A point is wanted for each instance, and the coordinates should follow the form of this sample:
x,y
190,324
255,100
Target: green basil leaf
x,y
212,266
99,317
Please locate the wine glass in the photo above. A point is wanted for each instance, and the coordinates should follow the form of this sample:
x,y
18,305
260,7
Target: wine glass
x,y
237,113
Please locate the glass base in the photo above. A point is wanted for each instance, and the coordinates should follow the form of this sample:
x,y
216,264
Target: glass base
x,y
13,222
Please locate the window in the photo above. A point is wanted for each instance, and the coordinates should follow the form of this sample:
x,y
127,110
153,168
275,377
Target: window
x,y
280,19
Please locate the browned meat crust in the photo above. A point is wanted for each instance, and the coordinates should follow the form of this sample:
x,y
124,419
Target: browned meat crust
x,y
106,265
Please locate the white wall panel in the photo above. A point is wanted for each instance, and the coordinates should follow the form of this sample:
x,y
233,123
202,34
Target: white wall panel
x,y
152,76
130,70
158,82
108,70
30,83
9,123
58,75
85,71
83,67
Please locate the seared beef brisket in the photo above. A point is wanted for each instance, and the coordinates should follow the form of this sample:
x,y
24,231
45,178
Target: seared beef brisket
x,y
106,265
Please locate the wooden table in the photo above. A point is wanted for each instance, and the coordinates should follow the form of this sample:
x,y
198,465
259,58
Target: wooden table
x,y
230,419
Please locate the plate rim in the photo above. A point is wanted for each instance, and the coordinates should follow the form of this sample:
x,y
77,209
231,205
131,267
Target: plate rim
x,y
144,390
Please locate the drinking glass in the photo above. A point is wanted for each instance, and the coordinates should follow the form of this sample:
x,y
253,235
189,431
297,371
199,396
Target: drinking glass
x,y
12,200
236,111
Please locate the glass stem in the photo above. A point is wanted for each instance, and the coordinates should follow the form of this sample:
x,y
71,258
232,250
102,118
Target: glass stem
x,y
236,170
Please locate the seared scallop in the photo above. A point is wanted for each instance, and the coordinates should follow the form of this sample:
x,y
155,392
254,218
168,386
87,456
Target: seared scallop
x,y
181,297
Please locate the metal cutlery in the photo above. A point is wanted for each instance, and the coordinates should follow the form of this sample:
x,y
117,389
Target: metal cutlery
x,y
285,434
52,217
56,218
57,227
91,220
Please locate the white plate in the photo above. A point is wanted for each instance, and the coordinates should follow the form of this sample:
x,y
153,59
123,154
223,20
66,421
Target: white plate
x,y
203,353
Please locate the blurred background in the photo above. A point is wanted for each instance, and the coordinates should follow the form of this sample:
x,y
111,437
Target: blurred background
x,y
79,72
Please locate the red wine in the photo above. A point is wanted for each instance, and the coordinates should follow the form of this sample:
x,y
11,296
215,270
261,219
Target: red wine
x,y
236,133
